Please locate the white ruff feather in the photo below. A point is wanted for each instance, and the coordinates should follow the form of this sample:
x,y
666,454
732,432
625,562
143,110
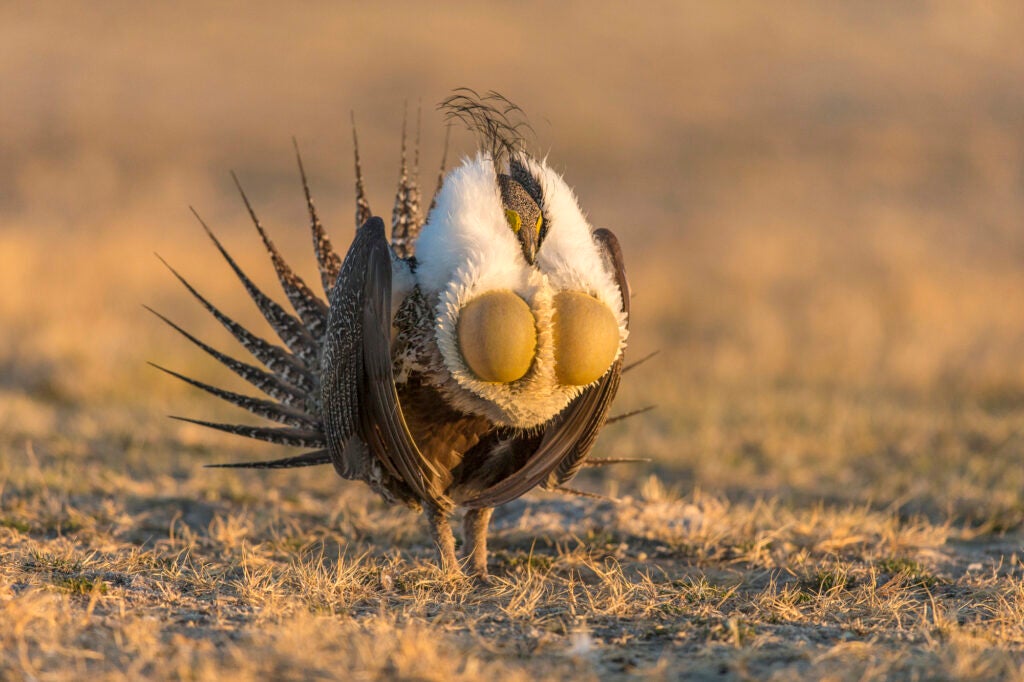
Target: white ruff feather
x,y
466,249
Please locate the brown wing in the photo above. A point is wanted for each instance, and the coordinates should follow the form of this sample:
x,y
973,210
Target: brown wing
x,y
383,424
359,397
571,435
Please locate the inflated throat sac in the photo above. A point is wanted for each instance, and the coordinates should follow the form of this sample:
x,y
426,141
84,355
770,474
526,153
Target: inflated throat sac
x,y
498,337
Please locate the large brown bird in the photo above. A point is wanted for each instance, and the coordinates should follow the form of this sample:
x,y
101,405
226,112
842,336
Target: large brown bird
x,y
470,360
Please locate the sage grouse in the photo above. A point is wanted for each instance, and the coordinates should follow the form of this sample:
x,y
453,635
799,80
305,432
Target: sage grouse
x,y
470,360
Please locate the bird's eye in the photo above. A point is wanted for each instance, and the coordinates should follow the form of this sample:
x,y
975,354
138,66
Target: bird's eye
x,y
514,221
540,223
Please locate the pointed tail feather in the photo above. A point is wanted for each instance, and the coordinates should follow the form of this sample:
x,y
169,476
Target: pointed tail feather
x,y
609,461
363,212
303,438
415,195
277,360
328,261
312,311
634,365
287,327
307,460
444,163
268,383
582,493
405,218
627,415
257,406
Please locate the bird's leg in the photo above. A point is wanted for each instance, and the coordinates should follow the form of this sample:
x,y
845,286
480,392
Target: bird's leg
x,y
441,531
475,530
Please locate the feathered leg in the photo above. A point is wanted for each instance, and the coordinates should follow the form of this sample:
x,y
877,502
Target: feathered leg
x,y
441,531
475,531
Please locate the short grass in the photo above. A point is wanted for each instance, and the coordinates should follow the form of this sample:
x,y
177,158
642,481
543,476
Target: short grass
x,y
747,555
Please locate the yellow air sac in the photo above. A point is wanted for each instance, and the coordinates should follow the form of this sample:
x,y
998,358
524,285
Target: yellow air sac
x,y
497,336
586,338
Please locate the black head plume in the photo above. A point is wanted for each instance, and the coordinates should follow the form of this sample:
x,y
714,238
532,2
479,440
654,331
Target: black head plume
x,y
499,124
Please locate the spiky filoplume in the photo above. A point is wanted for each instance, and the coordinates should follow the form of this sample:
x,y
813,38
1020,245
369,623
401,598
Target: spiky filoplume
x,y
374,381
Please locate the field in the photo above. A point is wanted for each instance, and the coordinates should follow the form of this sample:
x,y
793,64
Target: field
x,y
822,211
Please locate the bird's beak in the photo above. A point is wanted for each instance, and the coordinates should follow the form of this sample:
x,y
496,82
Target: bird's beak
x,y
528,239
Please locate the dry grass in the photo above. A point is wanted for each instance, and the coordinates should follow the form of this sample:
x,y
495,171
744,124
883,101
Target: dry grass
x,y
820,206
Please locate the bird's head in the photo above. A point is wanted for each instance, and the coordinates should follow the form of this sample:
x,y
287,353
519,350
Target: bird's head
x,y
523,213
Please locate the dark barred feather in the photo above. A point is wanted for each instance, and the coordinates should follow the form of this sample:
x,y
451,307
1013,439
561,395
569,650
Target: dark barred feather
x,y
268,383
311,310
405,216
307,460
305,438
276,359
287,326
257,406
328,261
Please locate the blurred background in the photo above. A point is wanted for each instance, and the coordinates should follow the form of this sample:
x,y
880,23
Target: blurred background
x,y
816,199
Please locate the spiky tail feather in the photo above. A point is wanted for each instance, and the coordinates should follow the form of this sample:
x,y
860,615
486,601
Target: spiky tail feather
x,y
292,378
307,460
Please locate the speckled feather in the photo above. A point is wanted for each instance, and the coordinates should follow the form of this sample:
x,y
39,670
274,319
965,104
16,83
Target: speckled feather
x,y
311,310
268,383
288,328
327,260
276,359
363,212
257,406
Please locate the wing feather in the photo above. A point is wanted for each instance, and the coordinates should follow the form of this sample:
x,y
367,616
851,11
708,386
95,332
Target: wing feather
x,y
384,425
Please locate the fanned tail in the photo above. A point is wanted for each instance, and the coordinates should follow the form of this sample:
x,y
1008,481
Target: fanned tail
x,y
276,359
268,383
267,409
288,328
305,438
292,377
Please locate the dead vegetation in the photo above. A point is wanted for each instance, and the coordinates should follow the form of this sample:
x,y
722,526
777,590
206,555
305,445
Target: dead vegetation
x,y
118,564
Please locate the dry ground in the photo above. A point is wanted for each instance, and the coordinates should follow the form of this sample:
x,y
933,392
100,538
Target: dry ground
x,y
822,211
